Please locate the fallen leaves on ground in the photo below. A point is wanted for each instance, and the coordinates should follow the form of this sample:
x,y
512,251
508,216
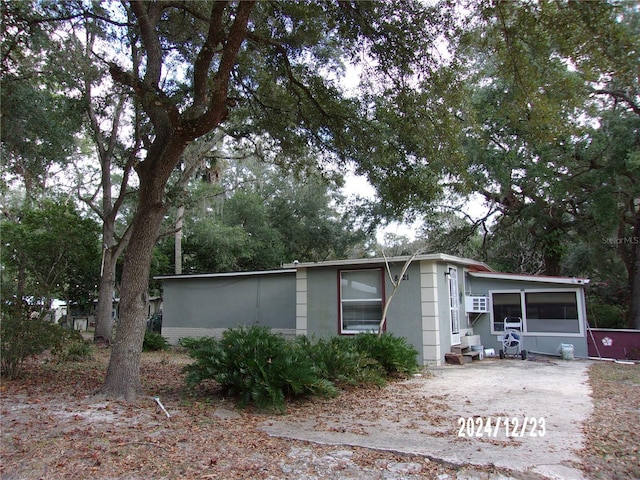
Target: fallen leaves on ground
x,y
613,431
54,427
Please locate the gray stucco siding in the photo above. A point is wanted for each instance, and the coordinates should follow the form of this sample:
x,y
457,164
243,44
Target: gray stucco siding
x,y
404,318
322,302
230,301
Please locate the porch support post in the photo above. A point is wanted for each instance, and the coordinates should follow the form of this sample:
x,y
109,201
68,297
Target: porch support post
x,y
431,353
301,301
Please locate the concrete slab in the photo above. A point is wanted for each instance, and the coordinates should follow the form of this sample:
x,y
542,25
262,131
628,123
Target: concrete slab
x,y
466,415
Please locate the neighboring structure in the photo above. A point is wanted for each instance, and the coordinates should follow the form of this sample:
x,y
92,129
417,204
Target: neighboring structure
x,y
442,301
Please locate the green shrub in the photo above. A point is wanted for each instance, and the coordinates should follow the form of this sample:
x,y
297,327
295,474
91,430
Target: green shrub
x,y
339,360
257,366
74,349
603,315
394,354
154,342
22,337
264,368
77,351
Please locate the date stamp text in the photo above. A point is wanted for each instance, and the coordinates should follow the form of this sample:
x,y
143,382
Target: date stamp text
x,y
509,426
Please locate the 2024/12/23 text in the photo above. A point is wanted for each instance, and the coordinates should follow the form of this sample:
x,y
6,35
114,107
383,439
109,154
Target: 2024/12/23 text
x,y
494,426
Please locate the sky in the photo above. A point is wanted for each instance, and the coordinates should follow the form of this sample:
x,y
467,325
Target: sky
x,y
359,185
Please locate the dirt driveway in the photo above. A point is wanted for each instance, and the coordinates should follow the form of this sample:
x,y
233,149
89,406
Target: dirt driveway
x,y
525,416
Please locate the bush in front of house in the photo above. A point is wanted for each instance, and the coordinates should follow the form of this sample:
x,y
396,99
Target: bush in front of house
x,y
257,366
393,353
341,362
263,368
154,342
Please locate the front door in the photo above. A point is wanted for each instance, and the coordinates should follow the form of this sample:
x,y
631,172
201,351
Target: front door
x,y
454,305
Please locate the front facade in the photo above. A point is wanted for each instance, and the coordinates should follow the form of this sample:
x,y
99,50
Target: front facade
x,y
441,301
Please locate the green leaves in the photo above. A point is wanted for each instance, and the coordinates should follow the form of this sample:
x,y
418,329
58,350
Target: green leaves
x,y
22,336
263,368
58,250
256,366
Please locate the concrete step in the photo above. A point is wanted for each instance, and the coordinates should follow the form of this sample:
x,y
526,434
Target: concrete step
x,y
460,349
472,355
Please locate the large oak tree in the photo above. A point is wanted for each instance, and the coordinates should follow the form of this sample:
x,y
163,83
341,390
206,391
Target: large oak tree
x,y
272,67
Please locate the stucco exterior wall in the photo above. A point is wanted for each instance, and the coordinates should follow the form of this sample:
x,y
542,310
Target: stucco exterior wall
x,y
322,302
418,312
404,318
318,297
206,306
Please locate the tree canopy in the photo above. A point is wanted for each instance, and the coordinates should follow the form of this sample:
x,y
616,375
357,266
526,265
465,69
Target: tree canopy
x,y
532,106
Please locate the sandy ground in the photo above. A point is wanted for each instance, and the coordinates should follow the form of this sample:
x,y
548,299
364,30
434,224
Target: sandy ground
x,y
439,417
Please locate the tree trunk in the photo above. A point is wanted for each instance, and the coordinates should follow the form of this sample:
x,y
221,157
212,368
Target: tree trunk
x,y
172,132
634,277
123,374
552,262
104,309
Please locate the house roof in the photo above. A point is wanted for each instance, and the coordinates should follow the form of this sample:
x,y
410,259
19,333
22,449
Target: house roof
x,y
530,278
476,269
433,257
225,274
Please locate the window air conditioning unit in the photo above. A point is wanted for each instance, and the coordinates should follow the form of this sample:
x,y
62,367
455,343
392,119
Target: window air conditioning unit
x,y
477,304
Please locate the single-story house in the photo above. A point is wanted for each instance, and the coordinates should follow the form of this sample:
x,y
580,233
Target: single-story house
x,y
442,301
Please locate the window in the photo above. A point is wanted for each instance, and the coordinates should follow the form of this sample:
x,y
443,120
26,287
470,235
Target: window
x,y
552,312
360,300
454,303
542,312
505,305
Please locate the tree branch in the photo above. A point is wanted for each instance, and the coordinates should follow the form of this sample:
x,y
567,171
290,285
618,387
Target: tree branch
x,y
205,56
217,108
620,95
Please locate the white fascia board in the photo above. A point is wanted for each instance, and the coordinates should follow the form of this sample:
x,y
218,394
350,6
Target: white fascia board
x,y
531,278
224,274
434,257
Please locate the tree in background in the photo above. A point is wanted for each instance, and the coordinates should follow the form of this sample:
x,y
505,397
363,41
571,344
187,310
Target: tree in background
x,y
39,116
553,139
258,217
58,251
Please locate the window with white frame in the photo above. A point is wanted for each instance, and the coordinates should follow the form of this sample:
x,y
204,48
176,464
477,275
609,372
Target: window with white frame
x,y
361,297
542,312
505,305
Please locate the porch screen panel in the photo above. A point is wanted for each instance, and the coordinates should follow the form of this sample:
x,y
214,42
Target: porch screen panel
x,y
553,312
360,300
505,305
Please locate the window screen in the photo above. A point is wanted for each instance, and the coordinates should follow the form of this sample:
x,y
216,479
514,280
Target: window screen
x,y
505,305
552,312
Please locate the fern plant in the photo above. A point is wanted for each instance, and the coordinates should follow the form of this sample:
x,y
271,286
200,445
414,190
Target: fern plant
x,y
394,354
257,366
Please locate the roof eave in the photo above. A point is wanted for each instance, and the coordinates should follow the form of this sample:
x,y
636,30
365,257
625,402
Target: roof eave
x,y
224,274
435,257
531,278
